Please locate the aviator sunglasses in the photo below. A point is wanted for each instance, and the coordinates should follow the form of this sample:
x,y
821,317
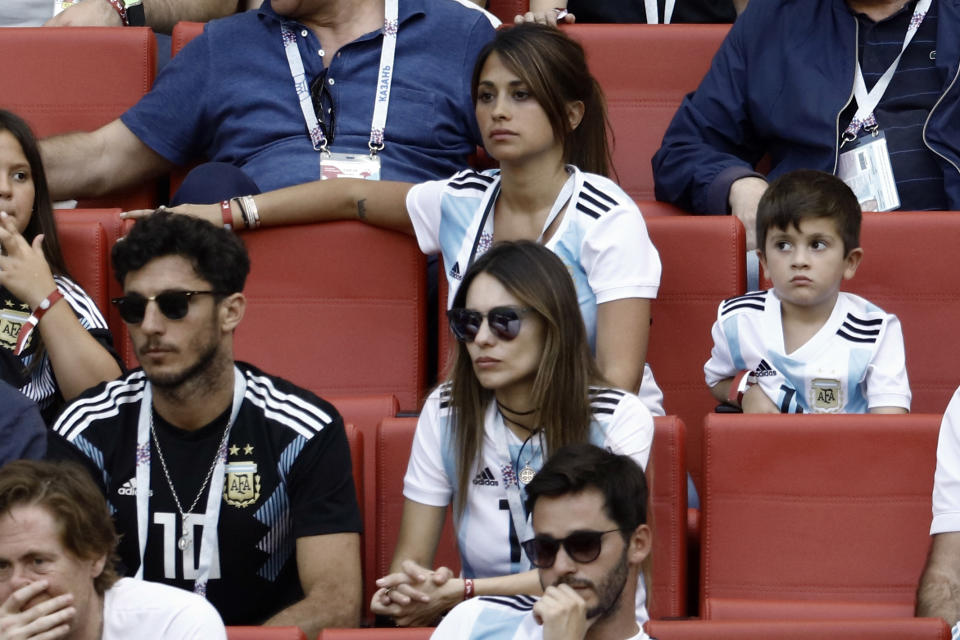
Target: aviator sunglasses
x,y
172,304
504,322
581,546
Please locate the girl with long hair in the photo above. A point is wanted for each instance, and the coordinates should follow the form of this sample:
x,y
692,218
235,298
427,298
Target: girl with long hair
x,y
47,321
542,116
523,384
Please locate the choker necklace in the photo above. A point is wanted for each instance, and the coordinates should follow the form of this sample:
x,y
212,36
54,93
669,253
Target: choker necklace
x,y
514,411
187,538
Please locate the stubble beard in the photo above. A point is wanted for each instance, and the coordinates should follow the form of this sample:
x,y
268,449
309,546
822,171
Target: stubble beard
x,y
609,591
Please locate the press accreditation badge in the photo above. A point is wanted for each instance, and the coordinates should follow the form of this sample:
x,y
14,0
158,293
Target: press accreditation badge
x,y
349,165
867,171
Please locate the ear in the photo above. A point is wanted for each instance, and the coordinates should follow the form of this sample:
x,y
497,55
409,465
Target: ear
x,y
232,309
641,543
575,111
96,567
852,261
762,258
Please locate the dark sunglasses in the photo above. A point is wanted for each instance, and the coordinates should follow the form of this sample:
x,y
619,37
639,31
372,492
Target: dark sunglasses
x,y
504,322
172,304
581,546
323,106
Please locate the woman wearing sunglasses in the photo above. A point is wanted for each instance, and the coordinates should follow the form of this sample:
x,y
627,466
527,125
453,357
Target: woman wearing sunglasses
x,y
542,115
46,320
523,384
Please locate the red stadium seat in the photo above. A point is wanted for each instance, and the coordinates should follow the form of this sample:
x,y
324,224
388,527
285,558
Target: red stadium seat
x,y
416,633
394,440
337,308
703,260
906,259
875,629
78,79
265,633
184,32
507,9
815,516
667,514
645,71
655,208
83,243
365,413
355,441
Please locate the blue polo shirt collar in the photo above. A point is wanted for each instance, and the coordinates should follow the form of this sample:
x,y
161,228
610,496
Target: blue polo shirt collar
x,y
407,10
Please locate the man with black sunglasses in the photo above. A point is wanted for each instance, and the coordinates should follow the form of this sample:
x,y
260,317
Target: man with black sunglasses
x,y
223,480
588,511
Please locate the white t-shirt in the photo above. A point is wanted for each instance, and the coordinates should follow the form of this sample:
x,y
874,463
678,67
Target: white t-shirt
x,y
946,481
497,618
25,13
152,611
855,361
601,238
486,536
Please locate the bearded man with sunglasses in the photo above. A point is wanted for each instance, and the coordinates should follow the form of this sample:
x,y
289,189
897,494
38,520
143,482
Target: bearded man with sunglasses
x,y
588,511
222,479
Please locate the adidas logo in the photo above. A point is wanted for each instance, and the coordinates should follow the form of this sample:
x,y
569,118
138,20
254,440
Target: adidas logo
x,y
485,479
764,370
129,488
455,272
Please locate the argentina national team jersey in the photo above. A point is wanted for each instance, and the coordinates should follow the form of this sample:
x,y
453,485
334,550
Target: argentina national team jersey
x,y
854,362
486,537
287,476
496,618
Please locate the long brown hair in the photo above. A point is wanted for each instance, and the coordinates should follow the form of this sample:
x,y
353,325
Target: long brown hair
x,y
539,279
554,68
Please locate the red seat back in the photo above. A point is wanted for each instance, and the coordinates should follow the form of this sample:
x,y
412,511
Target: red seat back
x,y
875,629
85,250
78,79
703,262
907,257
645,71
265,633
668,515
394,440
507,9
337,308
815,516
388,633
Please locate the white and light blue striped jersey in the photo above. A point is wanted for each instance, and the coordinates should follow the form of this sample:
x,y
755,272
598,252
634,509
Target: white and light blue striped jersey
x,y
496,618
601,238
853,363
946,480
486,538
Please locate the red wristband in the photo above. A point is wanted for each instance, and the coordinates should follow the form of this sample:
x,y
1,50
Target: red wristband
x,y
27,327
468,589
735,393
227,214
121,9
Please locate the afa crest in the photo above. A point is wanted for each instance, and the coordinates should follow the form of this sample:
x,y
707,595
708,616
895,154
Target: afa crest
x,y
241,487
13,314
826,395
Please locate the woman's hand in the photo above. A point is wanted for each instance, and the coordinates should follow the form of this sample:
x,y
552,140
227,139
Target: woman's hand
x,y
23,268
209,212
416,596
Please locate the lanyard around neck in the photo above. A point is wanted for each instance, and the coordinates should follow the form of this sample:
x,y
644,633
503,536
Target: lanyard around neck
x,y
384,81
867,101
650,7
211,517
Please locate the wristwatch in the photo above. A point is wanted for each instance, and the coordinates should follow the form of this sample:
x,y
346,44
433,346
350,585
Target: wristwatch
x,y
134,11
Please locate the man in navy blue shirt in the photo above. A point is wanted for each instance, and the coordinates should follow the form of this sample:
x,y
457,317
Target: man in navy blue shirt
x,y
231,97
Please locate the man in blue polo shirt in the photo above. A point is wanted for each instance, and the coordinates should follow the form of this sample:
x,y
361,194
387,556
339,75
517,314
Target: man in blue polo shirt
x,y
785,84
289,90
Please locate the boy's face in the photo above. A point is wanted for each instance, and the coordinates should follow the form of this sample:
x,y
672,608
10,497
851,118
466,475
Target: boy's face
x,y
807,264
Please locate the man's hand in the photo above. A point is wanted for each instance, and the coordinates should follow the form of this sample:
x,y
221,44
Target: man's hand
x,y
87,13
756,401
562,612
45,620
744,196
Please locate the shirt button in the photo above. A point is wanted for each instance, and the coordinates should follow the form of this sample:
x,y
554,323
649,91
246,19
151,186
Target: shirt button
x,y
304,33
330,81
321,52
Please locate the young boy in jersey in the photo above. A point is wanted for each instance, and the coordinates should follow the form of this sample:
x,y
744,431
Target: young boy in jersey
x,y
804,346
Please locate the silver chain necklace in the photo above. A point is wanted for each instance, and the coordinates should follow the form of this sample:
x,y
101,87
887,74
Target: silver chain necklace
x,y
184,542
